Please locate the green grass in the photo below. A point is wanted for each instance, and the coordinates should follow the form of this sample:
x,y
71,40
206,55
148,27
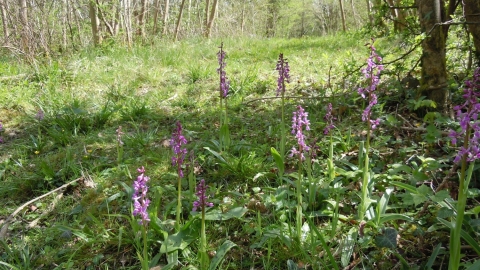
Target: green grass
x,y
86,96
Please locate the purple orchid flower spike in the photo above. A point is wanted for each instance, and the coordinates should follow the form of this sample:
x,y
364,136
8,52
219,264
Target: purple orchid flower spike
x,y
372,74
140,200
201,192
283,74
467,115
224,83
179,152
299,121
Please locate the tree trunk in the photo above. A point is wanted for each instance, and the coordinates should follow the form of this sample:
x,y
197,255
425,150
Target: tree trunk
x,y
175,35
155,16
434,74
272,11
369,12
189,15
242,18
165,17
211,19
127,18
395,13
116,20
64,24
141,19
471,11
95,22
24,28
355,14
101,16
342,14
205,22
3,10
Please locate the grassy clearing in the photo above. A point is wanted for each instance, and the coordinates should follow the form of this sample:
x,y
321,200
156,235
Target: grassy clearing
x,y
85,97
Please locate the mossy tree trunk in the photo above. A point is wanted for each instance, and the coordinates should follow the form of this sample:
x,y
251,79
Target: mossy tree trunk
x,y
471,10
433,82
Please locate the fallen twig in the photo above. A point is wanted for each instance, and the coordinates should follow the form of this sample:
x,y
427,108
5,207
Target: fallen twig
x,y
4,229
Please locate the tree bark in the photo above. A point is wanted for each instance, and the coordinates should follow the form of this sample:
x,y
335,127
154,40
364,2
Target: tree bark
x,y
3,10
471,11
127,18
433,83
165,17
95,22
272,11
369,12
242,18
24,28
205,22
179,19
342,14
211,19
141,19
155,16
64,24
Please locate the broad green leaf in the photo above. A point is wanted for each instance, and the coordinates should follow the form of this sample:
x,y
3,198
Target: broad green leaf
x,y
408,187
440,196
474,211
388,217
418,198
347,247
225,135
220,255
172,258
278,160
420,176
179,240
396,168
474,266
424,190
473,192
237,212
445,212
217,155
383,202
388,239
474,222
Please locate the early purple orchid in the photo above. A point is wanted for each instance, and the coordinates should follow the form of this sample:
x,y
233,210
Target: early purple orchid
x,y
140,200
201,192
299,121
224,83
372,74
329,118
467,115
283,74
179,152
